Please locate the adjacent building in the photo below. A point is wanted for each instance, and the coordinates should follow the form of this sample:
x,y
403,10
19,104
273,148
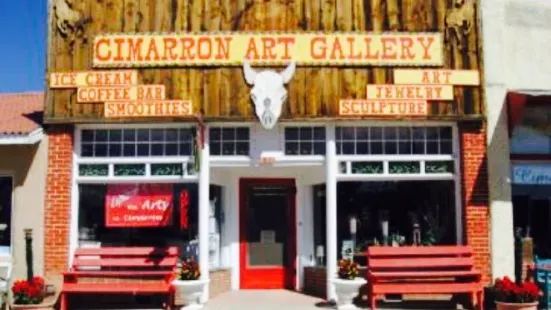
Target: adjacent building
x,y
268,139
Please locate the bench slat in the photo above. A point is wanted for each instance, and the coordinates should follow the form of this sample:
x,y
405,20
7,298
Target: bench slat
x,y
140,262
425,288
121,273
129,251
424,274
432,251
115,288
420,263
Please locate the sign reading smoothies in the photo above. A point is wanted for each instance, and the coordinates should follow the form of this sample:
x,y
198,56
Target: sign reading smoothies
x,y
138,205
384,49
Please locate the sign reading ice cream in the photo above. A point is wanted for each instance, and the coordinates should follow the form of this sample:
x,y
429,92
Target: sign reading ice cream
x,y
142,50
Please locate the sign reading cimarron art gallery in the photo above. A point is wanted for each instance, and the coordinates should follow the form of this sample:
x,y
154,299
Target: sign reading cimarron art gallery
x,y
316,49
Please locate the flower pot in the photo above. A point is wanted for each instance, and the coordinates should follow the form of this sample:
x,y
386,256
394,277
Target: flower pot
x,y
515,306
346,291
189,293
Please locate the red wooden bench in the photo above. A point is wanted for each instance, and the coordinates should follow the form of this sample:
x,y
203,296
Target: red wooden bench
x,y
120,270
422,270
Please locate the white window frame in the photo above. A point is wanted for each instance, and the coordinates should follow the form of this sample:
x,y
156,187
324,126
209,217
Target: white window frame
x,y
282,141
7,251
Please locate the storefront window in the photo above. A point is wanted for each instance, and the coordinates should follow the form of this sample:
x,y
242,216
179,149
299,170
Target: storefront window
x,y
389,213
533,135
304,140
103,224
229,141
6,191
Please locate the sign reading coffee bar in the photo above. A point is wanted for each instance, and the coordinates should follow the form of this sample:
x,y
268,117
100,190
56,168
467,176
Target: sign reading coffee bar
x,y
123,96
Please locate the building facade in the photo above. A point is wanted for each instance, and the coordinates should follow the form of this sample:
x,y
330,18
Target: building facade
x,y
517,96
267,139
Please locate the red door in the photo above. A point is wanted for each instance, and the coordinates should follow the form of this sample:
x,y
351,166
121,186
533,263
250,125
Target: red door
x,y
267,232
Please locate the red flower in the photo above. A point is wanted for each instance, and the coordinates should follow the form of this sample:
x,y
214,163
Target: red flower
x,y
508,291
29,292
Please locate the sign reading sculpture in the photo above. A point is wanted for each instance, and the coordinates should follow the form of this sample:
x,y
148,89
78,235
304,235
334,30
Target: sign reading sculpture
x,y
231,49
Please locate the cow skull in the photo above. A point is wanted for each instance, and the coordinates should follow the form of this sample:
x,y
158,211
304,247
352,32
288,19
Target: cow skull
x,y
268,92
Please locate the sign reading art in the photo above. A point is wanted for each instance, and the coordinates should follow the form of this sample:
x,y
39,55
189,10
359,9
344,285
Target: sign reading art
x,y
316,49
121,94
138,205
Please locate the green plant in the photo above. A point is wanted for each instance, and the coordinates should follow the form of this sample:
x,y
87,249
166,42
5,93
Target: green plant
x,y
348,269
189,271
29,292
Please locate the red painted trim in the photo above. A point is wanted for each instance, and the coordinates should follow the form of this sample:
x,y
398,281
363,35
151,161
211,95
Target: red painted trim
x,y
270,277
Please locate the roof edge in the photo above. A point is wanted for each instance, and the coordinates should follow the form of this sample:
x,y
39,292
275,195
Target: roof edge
x,y
28,139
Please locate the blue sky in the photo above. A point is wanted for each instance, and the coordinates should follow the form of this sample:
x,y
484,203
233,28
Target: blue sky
x,y
22,51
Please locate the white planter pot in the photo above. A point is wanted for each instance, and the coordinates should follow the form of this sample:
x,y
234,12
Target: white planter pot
x,y
189,293
346,291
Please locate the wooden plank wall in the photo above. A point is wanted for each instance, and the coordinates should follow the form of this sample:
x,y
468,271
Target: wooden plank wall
x,y
221,92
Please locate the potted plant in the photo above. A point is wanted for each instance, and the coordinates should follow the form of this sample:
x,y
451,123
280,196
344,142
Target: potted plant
x,y
29,294
188,288
511,296
347,284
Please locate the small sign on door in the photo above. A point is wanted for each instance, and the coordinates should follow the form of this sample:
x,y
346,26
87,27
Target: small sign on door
x,y
267,236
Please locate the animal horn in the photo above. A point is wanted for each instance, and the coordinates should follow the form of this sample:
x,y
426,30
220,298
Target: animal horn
x,y
287,74
250,73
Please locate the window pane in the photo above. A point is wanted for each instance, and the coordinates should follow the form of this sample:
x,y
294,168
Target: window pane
x,y
291,148
348,133
87,136
143,149
129,135
432,133
87,150
376,133
243,134
157,149
319,133
362,148
242,148
404,133
115,150
418,133
391,147
228,148
115,135
214,149
157,135
446,133
362,133
432,147
305,148
101,135
215,134
348,148
319,148
143,135
101,150
404,148
446,147
418,147
339,147
291,133
186,135
171,149
186,148
338,133
129,150
305,133
171,135
376,148
228,134
390,133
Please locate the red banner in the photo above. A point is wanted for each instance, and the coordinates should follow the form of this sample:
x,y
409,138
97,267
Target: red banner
x,y
184,203
138,205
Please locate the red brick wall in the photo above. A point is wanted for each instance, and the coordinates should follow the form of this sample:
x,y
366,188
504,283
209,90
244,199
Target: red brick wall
x,y
315,281
58,199
220,282
475,194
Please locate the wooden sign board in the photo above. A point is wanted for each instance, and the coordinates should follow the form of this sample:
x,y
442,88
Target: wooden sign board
x,y
93,78
355,107
153,108
232,48
90,94
409,92
437,77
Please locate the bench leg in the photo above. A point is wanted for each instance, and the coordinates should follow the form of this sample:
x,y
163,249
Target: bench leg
x,y
481,300
372,301
63,302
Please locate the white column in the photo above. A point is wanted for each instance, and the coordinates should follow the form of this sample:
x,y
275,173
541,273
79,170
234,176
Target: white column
x,y
204,205
331,209
501,208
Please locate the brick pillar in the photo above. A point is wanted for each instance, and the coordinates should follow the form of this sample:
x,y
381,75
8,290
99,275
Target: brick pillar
x,y
475,195
58,199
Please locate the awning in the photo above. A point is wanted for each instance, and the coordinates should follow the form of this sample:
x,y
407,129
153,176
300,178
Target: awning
x,y
21,118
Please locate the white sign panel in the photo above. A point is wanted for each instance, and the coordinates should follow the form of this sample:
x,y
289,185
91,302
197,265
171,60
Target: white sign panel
x,y
532,174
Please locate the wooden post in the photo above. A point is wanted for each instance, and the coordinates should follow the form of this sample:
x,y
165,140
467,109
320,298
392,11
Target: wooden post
x,y
29,252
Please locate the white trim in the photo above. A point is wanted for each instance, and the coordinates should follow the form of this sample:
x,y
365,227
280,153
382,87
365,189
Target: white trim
x,y
459,215
75,196
134,160
341,158
135,125
394,177
31,138
136,179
